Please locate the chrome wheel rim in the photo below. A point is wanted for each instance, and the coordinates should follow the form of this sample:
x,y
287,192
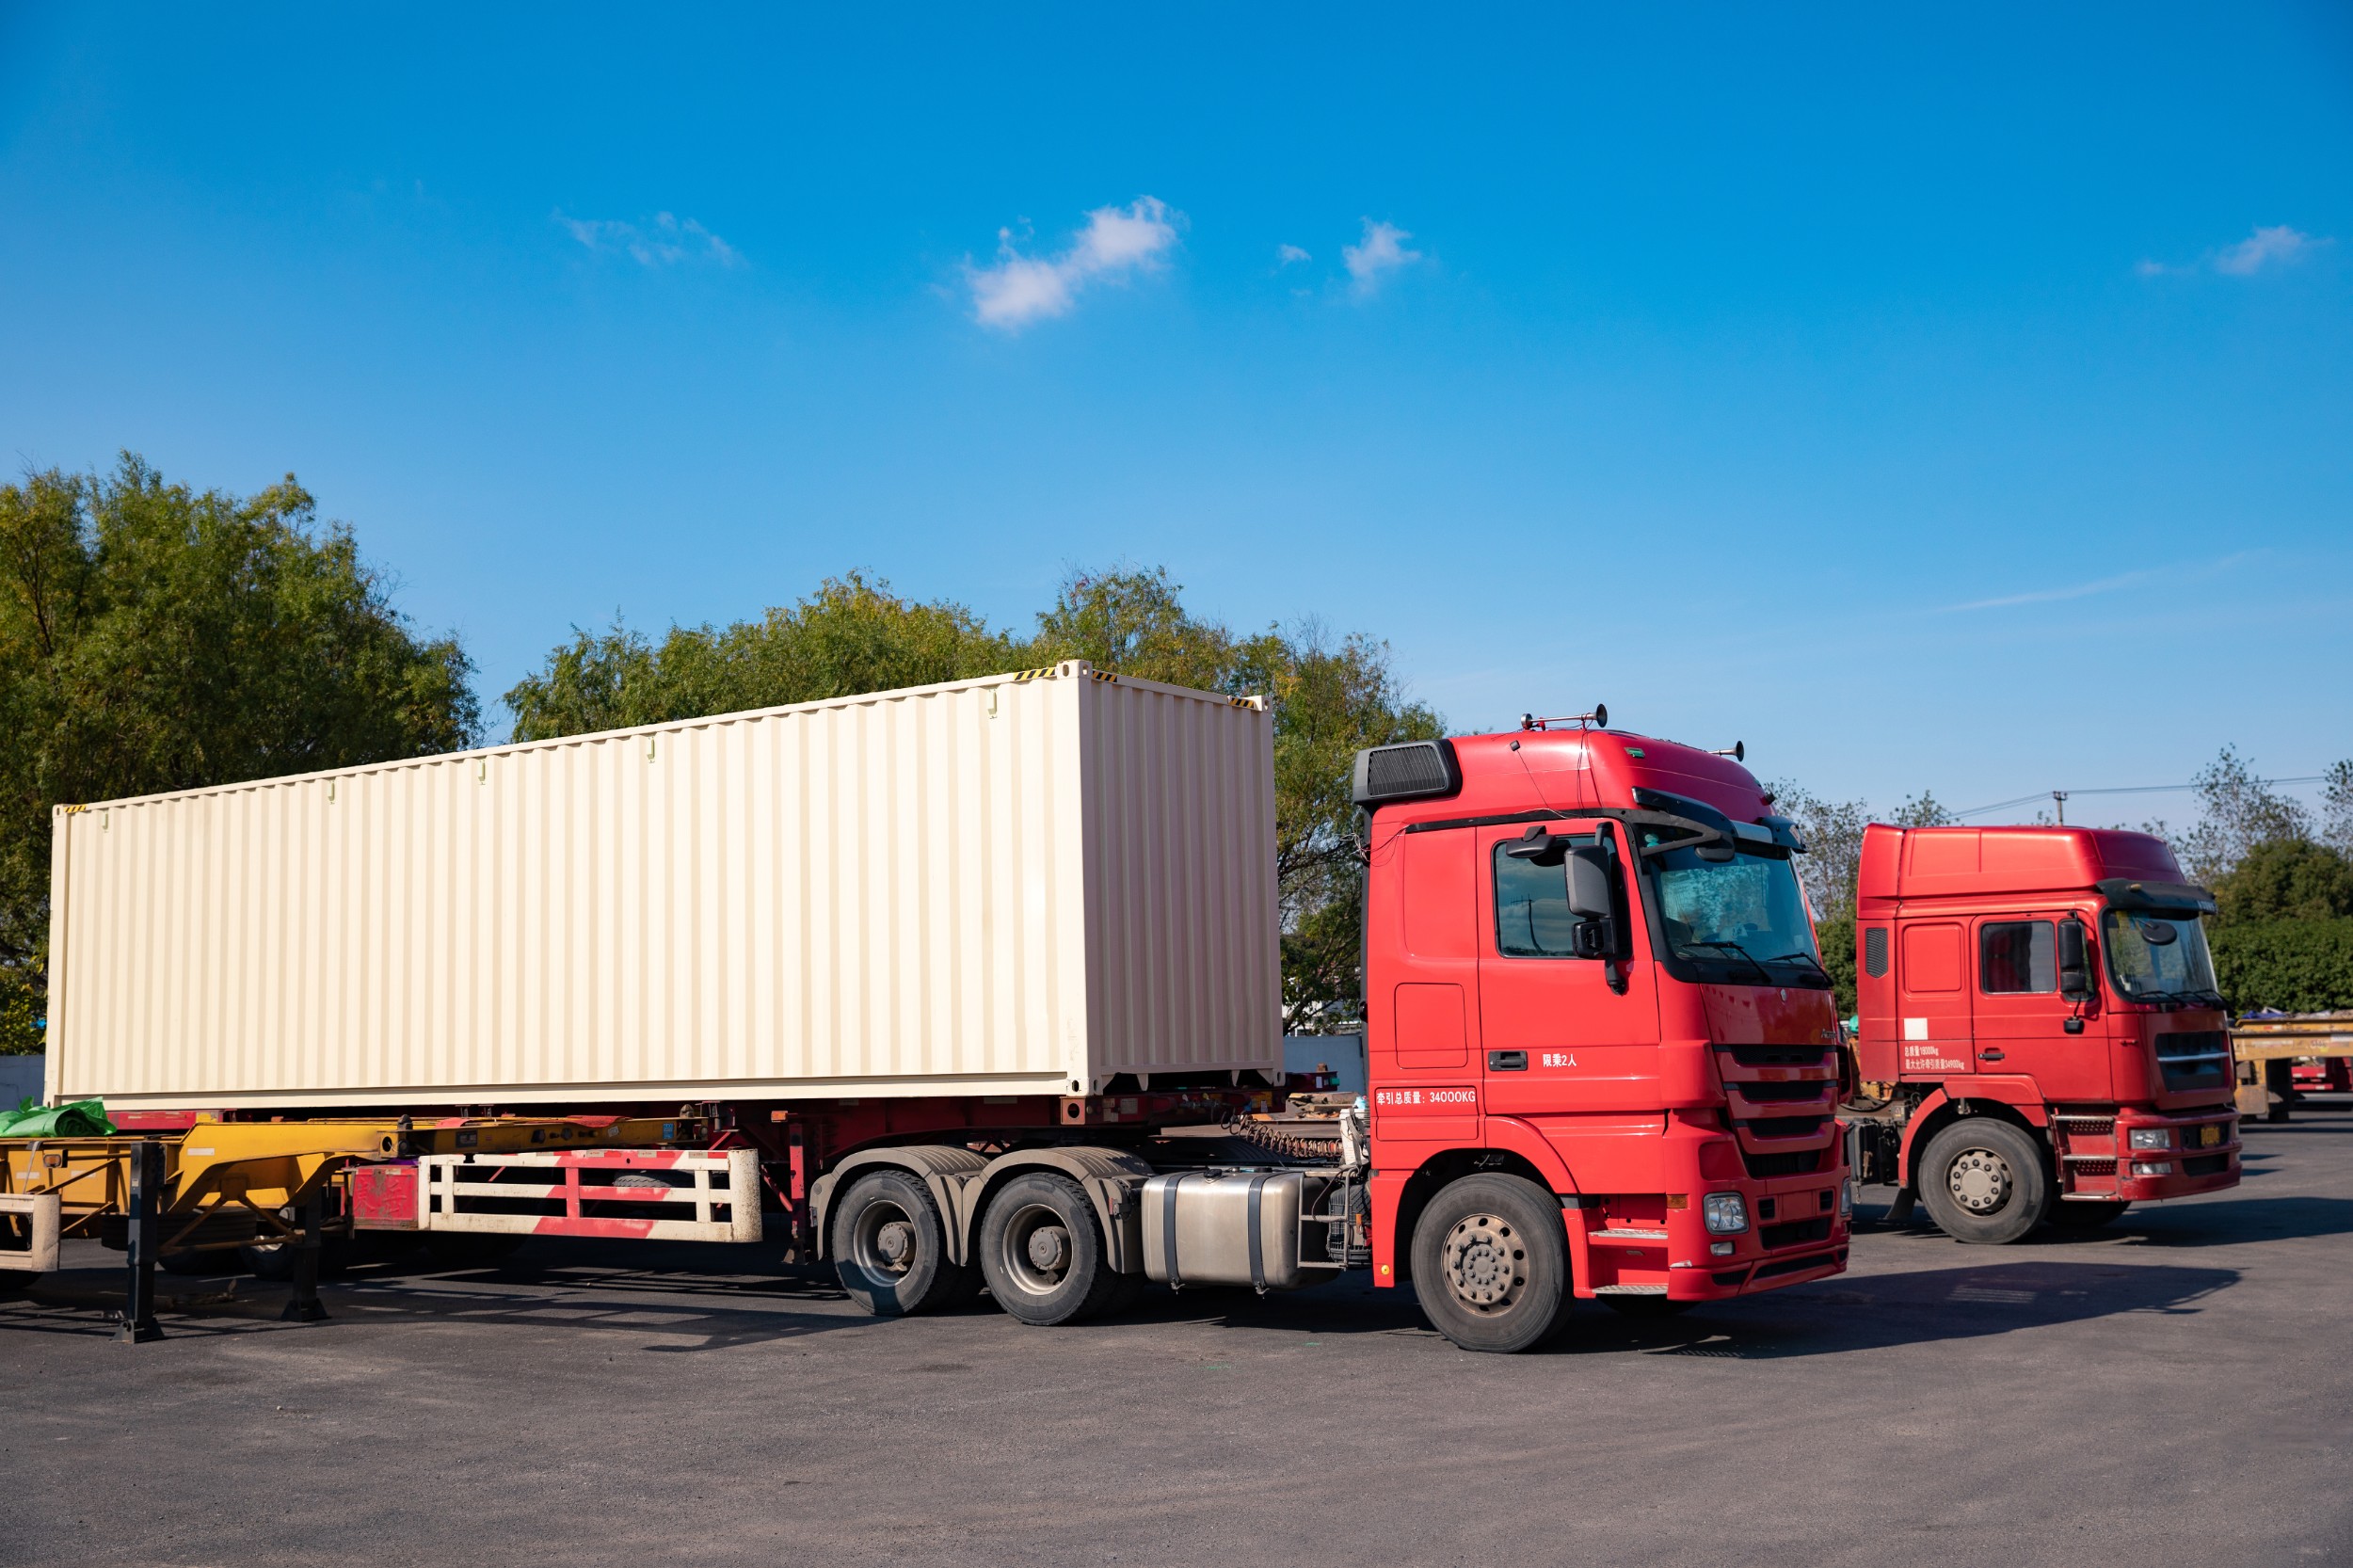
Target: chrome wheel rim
x,y
1979,1180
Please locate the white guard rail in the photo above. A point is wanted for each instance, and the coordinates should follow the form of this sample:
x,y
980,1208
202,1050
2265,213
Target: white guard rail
x,y
633,1194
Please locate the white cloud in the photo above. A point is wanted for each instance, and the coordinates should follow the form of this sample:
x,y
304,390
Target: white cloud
x,y
2276,245
1286,254
2194,571
1116,243
2259,250
1381,252
665,241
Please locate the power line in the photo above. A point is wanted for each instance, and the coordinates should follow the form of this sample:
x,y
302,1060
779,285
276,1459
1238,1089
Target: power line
x,y
2122,790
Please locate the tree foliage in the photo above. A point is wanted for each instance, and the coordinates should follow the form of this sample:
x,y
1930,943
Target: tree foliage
x,y
2286,879
154,638
1329,698
2238,810
2296,965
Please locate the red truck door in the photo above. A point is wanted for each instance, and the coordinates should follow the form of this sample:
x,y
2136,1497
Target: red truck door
x,y
1932,998
2022,1018
1425,1025
1549,1021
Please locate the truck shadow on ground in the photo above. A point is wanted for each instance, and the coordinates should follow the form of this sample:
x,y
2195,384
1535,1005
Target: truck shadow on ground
x,y
689,1298
1883,1311
1874,1312
2208,1223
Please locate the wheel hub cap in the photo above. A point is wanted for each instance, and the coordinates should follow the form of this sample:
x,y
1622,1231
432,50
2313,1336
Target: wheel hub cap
x,y
1486,1266
1980,1180
1049,1248
895,1241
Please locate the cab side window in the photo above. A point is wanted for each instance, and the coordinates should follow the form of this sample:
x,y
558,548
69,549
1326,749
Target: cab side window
x,y
2017,955
1532,918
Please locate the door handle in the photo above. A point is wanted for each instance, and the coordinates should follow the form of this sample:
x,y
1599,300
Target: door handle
x,y
1991,1053
1507,1061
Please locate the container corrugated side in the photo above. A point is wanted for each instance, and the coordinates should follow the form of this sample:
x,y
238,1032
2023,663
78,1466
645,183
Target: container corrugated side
x,y
883,894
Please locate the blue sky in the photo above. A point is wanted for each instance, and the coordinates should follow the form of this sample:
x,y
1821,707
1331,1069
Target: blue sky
x,y
1957,400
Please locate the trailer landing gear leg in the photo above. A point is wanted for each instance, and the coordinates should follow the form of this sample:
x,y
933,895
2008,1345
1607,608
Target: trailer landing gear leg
x,y
139,1326
305,1306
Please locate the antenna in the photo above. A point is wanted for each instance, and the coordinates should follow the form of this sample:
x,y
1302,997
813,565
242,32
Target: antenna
x,y
1738,752
1597,719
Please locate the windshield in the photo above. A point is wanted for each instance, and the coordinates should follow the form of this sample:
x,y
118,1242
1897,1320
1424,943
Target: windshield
x,y
2158,956
1743,920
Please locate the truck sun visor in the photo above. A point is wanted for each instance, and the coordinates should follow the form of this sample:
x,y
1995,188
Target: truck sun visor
x,y
2178,898
1413,771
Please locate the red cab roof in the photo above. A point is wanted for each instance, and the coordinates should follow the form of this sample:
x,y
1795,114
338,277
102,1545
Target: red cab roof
x,y
1925,862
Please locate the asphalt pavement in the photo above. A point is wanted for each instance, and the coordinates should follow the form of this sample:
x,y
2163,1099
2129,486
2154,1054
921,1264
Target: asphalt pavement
x,y
2176,1389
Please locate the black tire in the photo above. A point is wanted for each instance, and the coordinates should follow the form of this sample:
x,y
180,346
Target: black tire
x,y
1490,1263
1984,1180
1646,1308
2087,1216
1042,1252
890,1248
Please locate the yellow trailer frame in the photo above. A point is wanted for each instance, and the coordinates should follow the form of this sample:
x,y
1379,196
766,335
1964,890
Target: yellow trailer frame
x,y
227,1183
2256,1043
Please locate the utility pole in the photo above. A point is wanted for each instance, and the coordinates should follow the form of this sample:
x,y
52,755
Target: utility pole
x,y
2058,798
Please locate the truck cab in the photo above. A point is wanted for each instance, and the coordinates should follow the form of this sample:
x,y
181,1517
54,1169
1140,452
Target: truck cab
x,y
1592,989
2040,1036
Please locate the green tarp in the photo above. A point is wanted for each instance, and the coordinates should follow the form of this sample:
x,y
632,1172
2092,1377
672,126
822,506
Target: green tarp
x,y
82,1119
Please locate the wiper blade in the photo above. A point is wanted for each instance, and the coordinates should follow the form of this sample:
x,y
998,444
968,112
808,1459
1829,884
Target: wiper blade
x,y
1803,957
1746,956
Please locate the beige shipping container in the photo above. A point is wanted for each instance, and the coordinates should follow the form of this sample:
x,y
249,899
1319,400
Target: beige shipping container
x,y
1022,883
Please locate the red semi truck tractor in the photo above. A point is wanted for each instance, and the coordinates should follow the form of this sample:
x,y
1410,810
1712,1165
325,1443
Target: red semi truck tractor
x,y
953,977
2041,1037
1591,982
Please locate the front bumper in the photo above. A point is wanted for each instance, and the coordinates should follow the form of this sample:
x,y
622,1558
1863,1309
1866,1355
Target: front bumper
x,y
1797,1231
2200,1154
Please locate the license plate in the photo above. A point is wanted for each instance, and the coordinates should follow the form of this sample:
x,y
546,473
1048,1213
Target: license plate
x,y
2209,1135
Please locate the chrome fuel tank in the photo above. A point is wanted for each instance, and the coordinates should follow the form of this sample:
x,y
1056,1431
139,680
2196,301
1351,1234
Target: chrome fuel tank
x,y
1235,1228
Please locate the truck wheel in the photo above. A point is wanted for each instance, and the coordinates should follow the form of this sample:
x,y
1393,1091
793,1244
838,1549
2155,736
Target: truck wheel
x,y
890,1248
1490,1263
2086,1216
1042,1252
1984,1180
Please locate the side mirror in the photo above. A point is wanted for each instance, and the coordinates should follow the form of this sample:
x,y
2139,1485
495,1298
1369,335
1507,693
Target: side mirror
x,y
2075,968
1588,883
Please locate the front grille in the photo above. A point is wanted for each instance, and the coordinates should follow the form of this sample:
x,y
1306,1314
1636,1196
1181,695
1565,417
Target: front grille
x,y
1777,1056
1785,1127
2211,1044
2088,1127
2092,1167
1735,1277
2206,1164
1801,1162
1796,1233
1763,1093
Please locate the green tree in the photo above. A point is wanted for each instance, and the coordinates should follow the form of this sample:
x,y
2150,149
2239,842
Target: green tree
x,y
154,638
851,635
2238,810
2286,879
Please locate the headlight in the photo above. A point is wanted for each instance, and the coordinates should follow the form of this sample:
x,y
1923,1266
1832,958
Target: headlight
x,y
2152,1138
2152,1167
1846,1199
1727,1213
